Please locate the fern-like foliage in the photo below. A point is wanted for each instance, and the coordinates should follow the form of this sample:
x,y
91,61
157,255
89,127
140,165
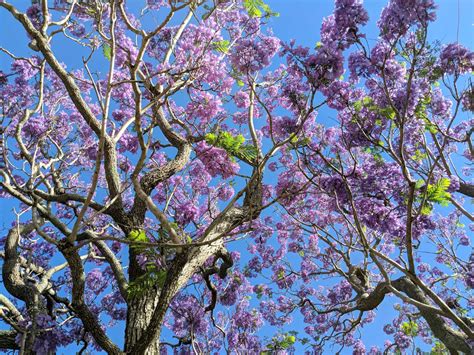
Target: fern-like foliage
x,y
410,328
234,146
257,8
153,276
421,113
107,51
436,193
138,236
222,46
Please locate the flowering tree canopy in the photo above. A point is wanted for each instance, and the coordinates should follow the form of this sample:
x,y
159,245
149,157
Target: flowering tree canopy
x,y
178,180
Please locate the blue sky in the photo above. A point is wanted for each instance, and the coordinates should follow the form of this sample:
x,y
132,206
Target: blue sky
x,y
300,20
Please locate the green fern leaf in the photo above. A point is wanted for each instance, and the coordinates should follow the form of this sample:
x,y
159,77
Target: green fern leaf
x,y
107,51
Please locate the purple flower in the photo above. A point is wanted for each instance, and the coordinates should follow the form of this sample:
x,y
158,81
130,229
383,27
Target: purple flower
x,y
216,160
359,66
35,15
241,99
156,4
225,192
397,18
455,58
250,55
24,69
95,281
3,78
128,143
186,212
388,329
341,28
402,340
467,99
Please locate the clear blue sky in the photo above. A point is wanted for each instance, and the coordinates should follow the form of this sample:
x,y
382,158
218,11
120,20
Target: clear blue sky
x,y
300,20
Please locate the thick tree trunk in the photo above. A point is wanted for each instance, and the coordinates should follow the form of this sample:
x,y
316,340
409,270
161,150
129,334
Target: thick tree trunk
x,y
454,340
140,311
153,306
146,314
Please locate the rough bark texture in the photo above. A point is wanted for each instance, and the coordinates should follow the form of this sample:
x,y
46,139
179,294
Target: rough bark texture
x,y
140,311
452,339
88,318
7,340
143,330
15,283
466,189
146,315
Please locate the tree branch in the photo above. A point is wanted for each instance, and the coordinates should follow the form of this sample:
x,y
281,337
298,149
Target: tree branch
x,y
7,340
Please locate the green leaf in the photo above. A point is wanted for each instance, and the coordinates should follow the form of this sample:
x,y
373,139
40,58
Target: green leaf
x,y
293,138
153,278
298,142
367,100
410,328
358,106
388,112
253,7
438,348
420,113
420,183
437,193
247,153
138,235
256,7
233,145
211,138
222,46
419,156
107,51
426,209
431,127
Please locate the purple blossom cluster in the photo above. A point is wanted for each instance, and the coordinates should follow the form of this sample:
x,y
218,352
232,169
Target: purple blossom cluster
x,y
216,160
400,15
455,58
340,198
250,55
340,30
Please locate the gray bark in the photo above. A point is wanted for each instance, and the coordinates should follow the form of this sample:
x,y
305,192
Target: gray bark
x,y
466,189
455,341
452,339
139,313
7,340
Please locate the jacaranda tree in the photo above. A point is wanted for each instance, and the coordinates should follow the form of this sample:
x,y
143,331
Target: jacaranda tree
x,y
176,178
